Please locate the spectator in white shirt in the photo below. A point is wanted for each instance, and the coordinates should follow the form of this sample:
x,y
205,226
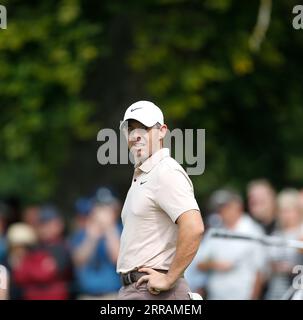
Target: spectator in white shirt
x,y
234,266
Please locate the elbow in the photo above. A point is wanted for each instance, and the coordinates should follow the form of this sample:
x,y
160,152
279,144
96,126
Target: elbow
x,y
201,227
198,230
201,231
198,226
191,223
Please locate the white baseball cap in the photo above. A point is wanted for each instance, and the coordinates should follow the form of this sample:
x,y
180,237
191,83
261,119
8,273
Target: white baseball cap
x,y
21,234
145,112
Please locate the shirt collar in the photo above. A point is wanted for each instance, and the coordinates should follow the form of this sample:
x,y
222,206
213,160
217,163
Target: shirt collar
x,y
154,159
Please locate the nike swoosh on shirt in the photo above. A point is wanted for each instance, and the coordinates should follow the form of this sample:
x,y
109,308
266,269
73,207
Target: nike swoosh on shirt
x,y
142,182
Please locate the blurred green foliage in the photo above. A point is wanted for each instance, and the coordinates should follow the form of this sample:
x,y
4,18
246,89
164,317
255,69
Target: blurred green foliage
x,y
195,62
44,56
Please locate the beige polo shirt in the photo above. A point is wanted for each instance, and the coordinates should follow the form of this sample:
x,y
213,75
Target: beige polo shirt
x,y
160,192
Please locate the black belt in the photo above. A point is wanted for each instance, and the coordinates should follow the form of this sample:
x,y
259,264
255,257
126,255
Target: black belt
x,y
133,276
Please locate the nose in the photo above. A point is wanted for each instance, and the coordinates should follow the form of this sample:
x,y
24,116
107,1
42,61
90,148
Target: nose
x,y
135,135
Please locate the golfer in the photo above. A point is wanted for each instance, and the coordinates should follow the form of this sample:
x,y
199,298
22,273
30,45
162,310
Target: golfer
x,y
162,224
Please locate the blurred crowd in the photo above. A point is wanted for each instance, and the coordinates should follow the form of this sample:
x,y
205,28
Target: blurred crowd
x,y
53,256
247,269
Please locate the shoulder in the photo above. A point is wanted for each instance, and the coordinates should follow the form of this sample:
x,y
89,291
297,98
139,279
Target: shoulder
x,y
170,168
171,163
250,226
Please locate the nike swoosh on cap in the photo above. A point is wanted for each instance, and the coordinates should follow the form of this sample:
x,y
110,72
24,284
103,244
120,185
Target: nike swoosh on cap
x,y
142,182
135,109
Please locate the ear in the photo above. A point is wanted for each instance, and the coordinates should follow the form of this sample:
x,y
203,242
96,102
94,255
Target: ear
x,y
162,131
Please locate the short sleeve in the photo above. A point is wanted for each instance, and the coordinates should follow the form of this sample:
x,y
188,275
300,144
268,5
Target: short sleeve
x,y
175,194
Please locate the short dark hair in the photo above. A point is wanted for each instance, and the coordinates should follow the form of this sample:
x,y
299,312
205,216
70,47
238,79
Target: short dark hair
x,y
157,125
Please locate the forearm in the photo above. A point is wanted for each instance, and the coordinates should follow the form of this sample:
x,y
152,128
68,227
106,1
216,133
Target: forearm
x,y
186,250
206,265
83,253
188,242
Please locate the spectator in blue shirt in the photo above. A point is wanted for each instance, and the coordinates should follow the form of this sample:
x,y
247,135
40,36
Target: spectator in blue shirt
x,y
95,250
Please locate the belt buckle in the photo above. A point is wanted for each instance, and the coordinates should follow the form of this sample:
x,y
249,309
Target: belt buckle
x,y
128,277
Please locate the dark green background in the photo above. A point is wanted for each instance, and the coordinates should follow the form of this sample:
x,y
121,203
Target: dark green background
x,y
69,68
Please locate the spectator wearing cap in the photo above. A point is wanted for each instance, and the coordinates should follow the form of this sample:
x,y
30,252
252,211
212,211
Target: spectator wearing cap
x,y
233,266
51,241
95,250
41,267
107,196
21,241
162,224
83,207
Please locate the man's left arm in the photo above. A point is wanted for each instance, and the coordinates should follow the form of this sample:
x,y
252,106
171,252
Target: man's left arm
x,y
190,230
